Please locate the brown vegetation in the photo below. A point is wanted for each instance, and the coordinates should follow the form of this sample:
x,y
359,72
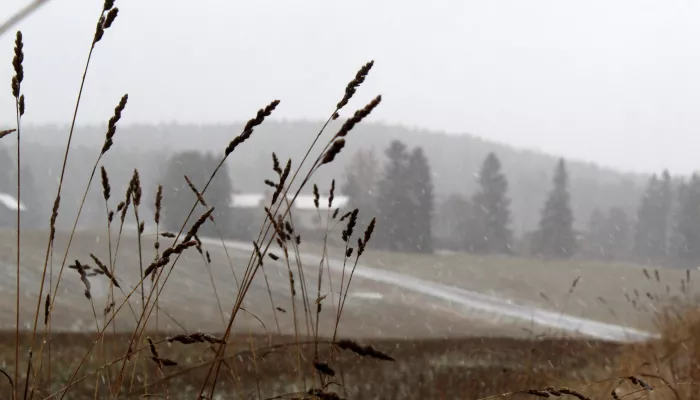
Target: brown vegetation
x,y
41,363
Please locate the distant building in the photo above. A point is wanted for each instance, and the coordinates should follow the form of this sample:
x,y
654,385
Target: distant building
x,y
305,215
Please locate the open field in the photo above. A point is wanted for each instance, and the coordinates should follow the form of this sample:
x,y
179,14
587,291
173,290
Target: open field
x,y
442,348
614,293
424,369
188,301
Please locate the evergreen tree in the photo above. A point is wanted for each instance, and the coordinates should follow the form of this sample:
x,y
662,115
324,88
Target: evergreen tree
x,y
178,198
360,185
597,237
676,241
651,234
451,219
393,205
688,224
608,235
646,246
421,203
665,205
618,232
490,230
555,236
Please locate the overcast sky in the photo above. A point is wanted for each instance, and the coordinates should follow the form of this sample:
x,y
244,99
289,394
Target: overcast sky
x,y
611,81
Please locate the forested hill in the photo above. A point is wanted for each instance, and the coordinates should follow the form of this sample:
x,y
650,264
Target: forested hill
x,y
454,159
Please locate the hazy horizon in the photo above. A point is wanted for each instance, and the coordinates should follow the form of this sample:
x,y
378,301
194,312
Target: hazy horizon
x,y
564,79
98,126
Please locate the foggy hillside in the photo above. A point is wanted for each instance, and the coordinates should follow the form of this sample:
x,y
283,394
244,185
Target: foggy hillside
x,y
454,160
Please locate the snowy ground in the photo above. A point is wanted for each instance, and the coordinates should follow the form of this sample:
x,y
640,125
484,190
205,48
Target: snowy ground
x,y
391,295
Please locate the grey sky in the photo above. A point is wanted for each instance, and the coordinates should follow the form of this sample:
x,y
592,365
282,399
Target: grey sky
x,y
615,82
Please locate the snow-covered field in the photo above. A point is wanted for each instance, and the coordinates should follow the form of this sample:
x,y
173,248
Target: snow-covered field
x,y
407,299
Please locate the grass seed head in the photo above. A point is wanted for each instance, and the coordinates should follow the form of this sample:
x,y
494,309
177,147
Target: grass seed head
x,y
250,125
159,202
17,65
109,308
82,270
334,150
136,188
351,88
112,124
127,202
359,115
258,253
47,307
106,189
350,227
324,368
103,268
111,16
364,351
6,132
316,196
198,224
276,164
54,215
99,31
331,195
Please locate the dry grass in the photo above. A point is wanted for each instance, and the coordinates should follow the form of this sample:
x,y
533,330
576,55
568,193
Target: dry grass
x,y
314,361
116,375
424,369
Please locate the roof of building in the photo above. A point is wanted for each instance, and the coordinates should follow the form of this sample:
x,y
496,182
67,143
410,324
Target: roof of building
x,y
10,202
247,200
302,202
306,202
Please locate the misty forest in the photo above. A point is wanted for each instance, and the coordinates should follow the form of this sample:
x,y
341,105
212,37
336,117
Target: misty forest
x,y
431,191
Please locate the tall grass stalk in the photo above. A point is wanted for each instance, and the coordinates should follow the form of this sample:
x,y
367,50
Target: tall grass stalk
x,y
162,266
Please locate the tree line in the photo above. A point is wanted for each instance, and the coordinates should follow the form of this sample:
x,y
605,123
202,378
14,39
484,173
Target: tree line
x,y
665,230
401,194
399,189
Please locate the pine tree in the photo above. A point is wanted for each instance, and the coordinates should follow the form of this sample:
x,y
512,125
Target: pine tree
x,y
665,205
608,235
451,219
651,234
394,209
491,232
676,241
556,237
618,232
646,247
178,198
597,237
688,223
421,203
